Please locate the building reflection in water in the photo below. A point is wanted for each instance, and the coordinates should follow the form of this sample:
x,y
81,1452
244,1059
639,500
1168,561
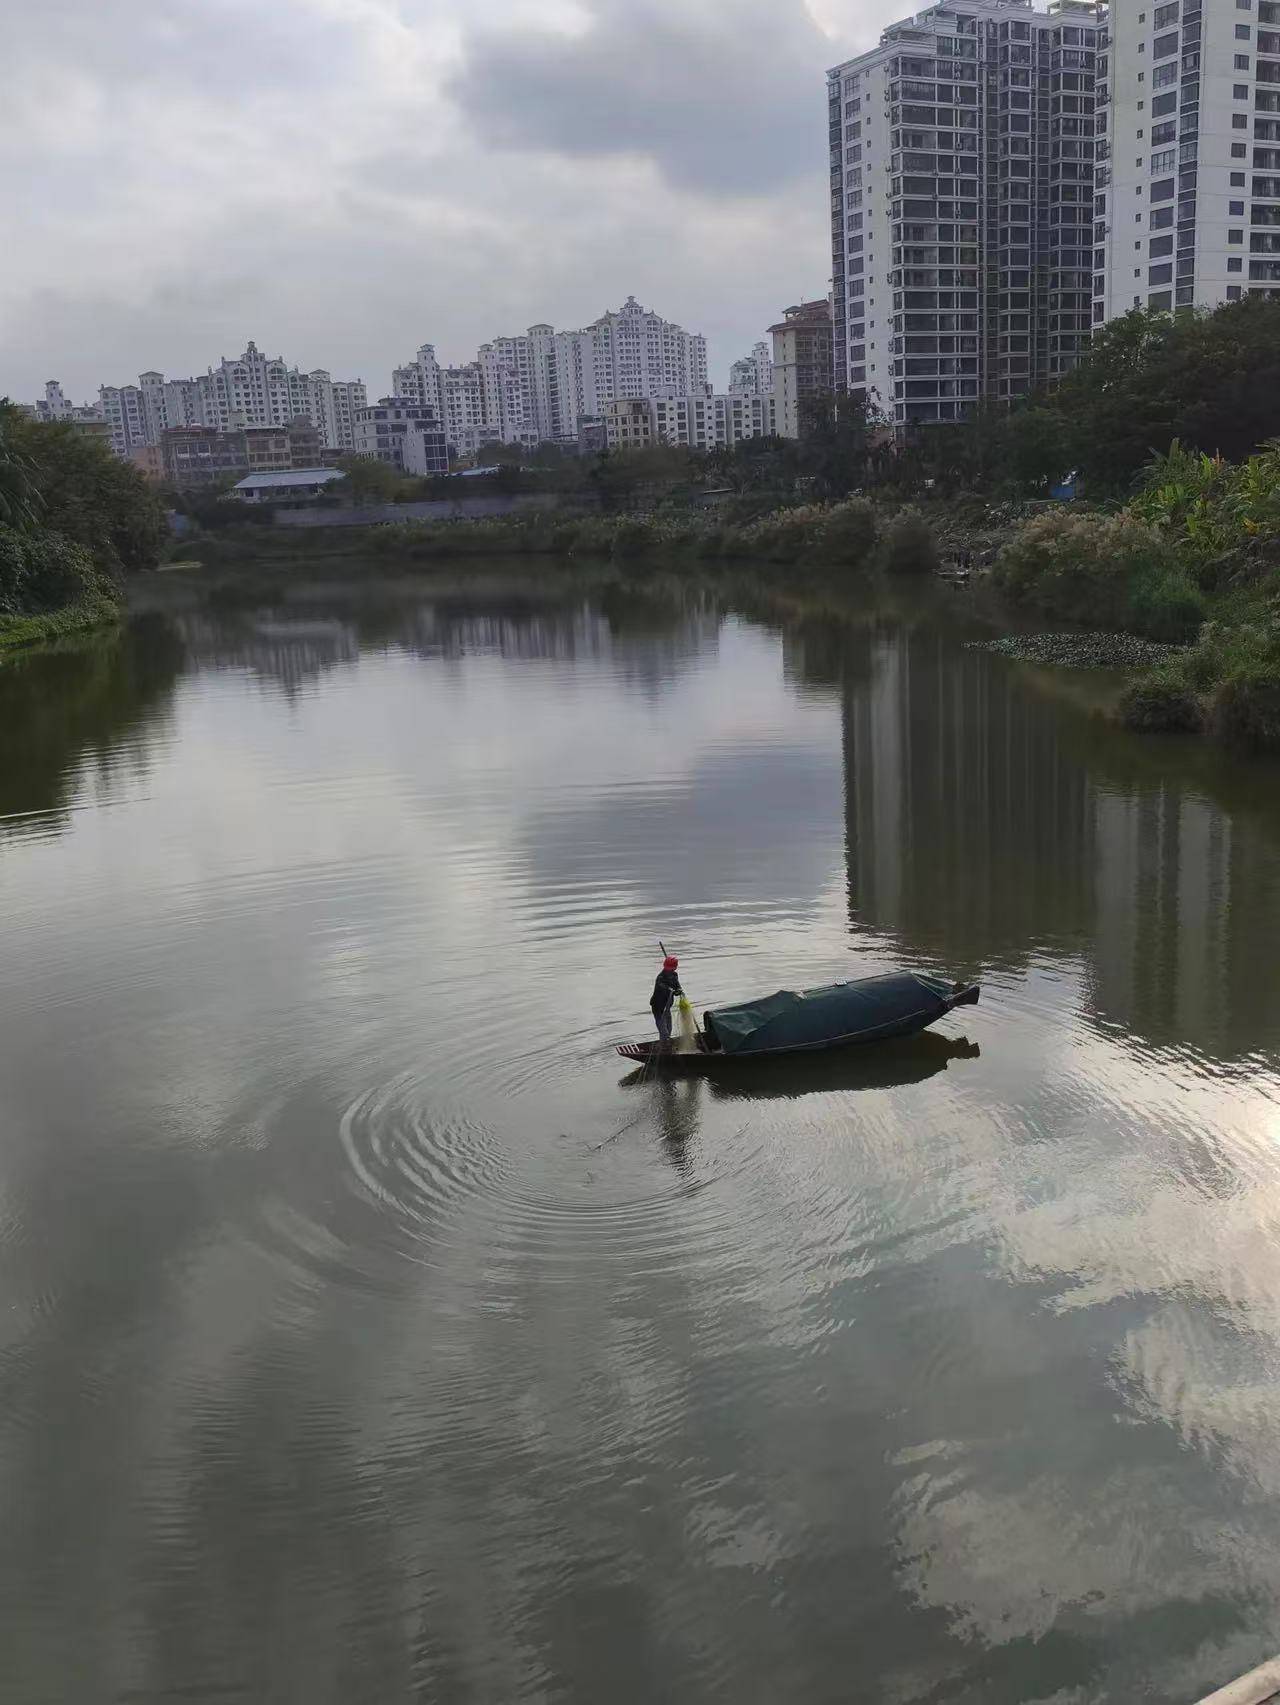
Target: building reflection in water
x,y
992,821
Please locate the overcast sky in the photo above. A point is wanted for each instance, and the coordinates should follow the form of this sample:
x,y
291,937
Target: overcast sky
x,y
342,180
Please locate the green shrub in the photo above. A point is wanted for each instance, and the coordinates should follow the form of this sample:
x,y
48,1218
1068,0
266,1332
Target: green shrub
x,y
1164,603
847,532
1161,701
1245,709
780,537
632,538
1107,570
909,544
41,572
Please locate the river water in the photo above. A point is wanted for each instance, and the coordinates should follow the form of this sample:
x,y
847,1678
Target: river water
x,y
369,1334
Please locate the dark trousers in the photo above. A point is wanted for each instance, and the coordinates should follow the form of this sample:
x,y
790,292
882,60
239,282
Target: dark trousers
x,y
663,1021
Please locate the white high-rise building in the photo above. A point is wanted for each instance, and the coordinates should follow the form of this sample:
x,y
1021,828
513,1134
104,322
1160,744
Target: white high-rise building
x,y
54,405
537,386
752,375
962,204
252,390
636,353
123,410
1188,194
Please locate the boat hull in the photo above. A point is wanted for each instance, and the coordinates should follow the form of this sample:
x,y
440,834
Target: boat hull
x,y
669,1056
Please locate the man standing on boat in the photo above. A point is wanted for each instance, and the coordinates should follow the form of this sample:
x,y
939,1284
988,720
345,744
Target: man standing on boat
x,y
665,989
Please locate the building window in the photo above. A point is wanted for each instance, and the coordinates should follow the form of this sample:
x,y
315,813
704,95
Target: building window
x,y
1235,264
1239,121
1241,61
1237,180
1235,236
1166,15
1165,45
1239,91
1238,150
1164,161
1242,32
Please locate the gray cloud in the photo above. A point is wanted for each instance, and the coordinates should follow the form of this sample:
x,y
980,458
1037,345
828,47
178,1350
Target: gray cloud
x,y
342,180
721,97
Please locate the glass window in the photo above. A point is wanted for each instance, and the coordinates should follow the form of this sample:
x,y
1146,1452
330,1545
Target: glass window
x,y
1165,45
1235,236
1235,264
1242,61
1239,91
1242,32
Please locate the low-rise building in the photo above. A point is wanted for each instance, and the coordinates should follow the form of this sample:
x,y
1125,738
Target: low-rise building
x,y
802,361
203,455
742,415
149,461
267,448
592,436
404,434
684,420
711,422
287,485
628,423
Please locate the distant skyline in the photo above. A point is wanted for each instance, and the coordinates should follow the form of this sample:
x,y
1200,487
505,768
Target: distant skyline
x,y
342,180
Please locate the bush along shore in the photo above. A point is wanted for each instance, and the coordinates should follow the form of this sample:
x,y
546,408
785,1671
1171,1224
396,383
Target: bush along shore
x,y
817,536
74,521
1191,561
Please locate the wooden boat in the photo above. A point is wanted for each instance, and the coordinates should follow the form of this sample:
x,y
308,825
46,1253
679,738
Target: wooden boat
x,y
823,1071
870,1009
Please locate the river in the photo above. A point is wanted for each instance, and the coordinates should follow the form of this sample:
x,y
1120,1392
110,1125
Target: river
x,y
370,1334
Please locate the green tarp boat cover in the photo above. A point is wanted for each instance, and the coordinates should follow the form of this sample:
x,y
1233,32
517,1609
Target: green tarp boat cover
x,y
810,1018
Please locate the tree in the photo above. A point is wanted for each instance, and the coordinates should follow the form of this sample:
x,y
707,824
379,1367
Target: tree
x,y
370,481
1209,379
42,571
88,495
19,500
836,434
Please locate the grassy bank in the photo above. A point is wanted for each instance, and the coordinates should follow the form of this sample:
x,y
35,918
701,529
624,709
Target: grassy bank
x,y
846,535
81,617
1193,559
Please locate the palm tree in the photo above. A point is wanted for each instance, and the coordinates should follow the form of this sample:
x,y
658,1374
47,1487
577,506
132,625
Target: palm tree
x,y
19,499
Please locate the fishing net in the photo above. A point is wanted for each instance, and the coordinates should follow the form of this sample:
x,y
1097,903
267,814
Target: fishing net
x,y
686,1036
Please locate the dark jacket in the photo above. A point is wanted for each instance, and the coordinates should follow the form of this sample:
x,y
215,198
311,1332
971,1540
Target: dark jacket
x,y
665,990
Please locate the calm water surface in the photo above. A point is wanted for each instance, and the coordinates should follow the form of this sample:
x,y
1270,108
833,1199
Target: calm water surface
x,y
368,1335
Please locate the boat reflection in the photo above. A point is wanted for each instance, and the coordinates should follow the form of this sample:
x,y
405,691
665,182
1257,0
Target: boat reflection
x,y
884,1065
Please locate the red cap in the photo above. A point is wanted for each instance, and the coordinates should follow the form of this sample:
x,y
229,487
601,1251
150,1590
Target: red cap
x,y
669,963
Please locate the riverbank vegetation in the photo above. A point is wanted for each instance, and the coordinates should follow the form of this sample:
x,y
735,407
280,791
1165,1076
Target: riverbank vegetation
x,y
74,522
849,534
1193,557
